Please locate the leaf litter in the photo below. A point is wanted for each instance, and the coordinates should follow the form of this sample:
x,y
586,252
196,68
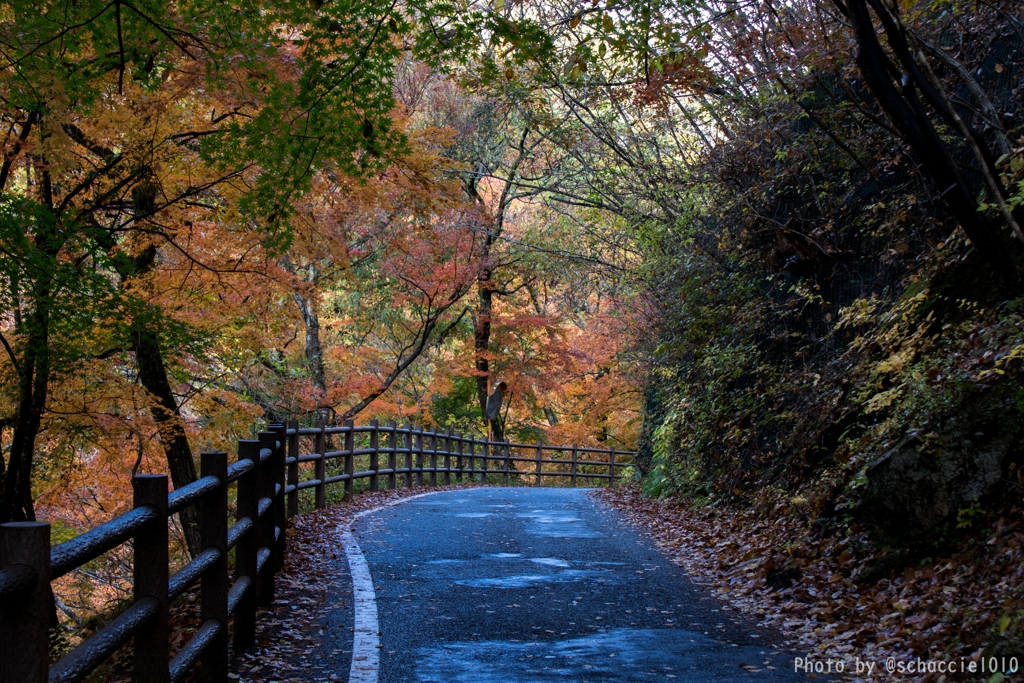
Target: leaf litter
x,y
769,562
773,564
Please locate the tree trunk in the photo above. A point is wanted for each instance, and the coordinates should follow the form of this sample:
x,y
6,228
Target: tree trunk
x,y
484,284
481,344
314,351
16,505
152,372
907,112
182,467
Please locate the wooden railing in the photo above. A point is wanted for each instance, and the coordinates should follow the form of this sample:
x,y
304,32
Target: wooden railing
x,y
269,475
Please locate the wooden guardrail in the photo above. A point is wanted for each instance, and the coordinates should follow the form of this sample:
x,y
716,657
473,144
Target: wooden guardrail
x,y
269,475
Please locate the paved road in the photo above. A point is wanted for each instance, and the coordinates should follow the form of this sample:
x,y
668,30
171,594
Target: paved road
x,y
521,585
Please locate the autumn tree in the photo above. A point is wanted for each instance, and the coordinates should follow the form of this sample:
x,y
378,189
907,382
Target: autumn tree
x,y
127,122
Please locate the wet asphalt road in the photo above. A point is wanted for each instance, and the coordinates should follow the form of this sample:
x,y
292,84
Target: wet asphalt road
x,y
521,585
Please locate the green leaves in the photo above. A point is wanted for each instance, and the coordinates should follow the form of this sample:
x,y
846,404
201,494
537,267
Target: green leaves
x,y
57,281
290,87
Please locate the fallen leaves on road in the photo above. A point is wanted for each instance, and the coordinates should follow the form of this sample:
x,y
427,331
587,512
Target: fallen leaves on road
x,y
771,563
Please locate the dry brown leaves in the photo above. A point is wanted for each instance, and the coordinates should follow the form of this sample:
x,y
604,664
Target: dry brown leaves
x,y
770,563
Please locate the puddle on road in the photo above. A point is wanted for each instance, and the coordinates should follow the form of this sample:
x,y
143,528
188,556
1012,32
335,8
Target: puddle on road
x,y
550,562
553,524
620,655
528,580
555,562
473,515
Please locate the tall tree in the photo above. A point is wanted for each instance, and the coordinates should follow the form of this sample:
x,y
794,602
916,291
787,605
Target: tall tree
x,y
903,90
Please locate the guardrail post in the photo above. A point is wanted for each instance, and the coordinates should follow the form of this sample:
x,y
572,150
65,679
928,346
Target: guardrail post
x,y
350,459
150,570
392,453
320,466
214,532
540,456
408,454
25,618
374,457
512,467
458,458
433,456
472,458
247,506
439,459
419,455
280,513
293,468
485,452
447,456
572,477
506,453
265,524
611,468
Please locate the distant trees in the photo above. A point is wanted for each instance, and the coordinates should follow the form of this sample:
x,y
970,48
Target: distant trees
x,y
188,191
746,173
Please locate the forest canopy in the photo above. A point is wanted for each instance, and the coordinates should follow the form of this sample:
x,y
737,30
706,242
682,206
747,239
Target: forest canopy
x,y
774,245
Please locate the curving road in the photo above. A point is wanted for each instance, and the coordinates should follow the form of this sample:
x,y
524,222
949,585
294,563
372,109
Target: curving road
x,y
525,585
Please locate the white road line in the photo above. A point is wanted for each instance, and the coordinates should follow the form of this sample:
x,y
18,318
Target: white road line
x,y
365,642
366,636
